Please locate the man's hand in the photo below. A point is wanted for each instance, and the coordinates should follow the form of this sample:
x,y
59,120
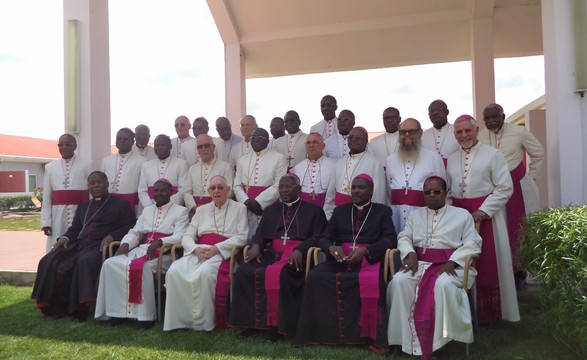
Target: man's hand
x,y
253,252
254,207
152,249
47,230
448,268
479,216
356,256
296,259
61,242
211,251
122,250
192,212
106,242
410,263
337,253
200,253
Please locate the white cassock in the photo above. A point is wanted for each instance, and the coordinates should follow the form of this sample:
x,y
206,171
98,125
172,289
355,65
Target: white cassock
x,y
345,171
514,141
238,151
225,148
185,149
173,169
112,300
325,128
315,175
411,174
147,152
198,179
484,172
293,147
124,172
336,146
61,174
453,229
191,284
384,145
442,141
263,169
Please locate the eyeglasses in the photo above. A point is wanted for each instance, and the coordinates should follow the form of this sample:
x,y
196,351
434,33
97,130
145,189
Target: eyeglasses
x,y
204,146
314,142
435,192
216,187
258,137
408,131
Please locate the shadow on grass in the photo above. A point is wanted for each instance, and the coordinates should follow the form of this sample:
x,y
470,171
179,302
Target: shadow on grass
x,y
24,326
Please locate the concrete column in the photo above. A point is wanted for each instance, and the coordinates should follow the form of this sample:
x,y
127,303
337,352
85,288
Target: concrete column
x,y
566,111
93,131
536,124
482,66
235,88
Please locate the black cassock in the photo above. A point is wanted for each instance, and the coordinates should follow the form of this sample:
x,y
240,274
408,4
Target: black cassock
x,y
249,300
331,306
68,277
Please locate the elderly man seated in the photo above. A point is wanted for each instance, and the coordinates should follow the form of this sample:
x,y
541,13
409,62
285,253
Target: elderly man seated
x,y
198,284
428,305
126,287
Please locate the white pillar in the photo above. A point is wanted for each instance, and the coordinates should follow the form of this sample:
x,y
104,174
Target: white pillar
x,y
235,88
93,69
566,112
536,124
482,66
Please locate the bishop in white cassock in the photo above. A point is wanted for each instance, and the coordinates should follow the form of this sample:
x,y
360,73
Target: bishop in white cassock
x,y
437,239
248,125
440,136
328,126
386,144
479,181
126,287
141,145
65,186
337,145
228,140
184,145
292,145
198,284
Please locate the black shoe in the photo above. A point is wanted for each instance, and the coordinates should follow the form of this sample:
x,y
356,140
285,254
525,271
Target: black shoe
x,y
246,334
116,321
272,338
395,351
145,324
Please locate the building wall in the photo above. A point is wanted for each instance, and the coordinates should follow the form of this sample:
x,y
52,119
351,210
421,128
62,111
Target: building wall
x,y
37,169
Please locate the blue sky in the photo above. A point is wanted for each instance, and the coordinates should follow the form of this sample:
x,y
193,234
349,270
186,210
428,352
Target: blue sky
x,y
166,59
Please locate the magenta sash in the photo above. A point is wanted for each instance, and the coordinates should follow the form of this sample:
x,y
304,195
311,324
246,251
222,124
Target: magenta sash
x,y
412,198
424,310
135,271
369,292
341,199
272,277
254,191
151,191
69,197
202,200
222,283
319,198
445,161
516,211
132,198
488,293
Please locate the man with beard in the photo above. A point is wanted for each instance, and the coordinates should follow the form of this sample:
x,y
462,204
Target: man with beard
x,y
67,276
277,130
386,144
268,288
337,145
407,169
248,125
228,140
141,146
184,145
292,144
439,137
327,127
479,182
358,161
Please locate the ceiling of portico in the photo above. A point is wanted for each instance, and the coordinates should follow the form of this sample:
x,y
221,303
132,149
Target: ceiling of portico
x,y
286,37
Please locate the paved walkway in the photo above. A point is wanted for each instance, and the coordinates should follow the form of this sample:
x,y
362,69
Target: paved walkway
x,y
21,252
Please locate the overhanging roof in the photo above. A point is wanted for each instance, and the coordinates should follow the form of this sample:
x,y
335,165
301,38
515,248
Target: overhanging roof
x,y
286,37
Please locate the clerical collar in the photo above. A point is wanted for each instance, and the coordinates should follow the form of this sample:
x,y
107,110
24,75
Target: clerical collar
x,y
262,152
469,149
352,154
164,160
223,206
141,147
316,160
437,211
100,199
329,120
291,203
166,205
441,126
363,206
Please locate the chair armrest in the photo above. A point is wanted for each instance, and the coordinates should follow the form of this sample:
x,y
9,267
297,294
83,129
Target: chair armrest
x,y
311,255
470,261
164,248
389,264
174,249
111,248
246,251
233,253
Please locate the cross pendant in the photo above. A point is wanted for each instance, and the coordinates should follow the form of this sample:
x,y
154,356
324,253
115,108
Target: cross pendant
x,y
66,182
406,188
354,246
313,195
150,239
285,238
289,159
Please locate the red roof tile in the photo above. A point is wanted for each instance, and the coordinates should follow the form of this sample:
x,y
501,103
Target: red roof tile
x,y
12,145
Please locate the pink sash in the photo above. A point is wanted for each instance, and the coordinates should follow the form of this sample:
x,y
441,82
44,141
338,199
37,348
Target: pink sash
x,y
412,198
254,191
222,283
424,309
69,197
133,198
445,161
202,200
272,277
516,211
341,199
488,294
135,271
369,292
151,191
318,198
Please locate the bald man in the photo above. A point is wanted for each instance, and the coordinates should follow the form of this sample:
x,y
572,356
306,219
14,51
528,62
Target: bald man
x,y
184,146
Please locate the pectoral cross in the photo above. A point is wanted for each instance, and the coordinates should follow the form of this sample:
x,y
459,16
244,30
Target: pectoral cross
x,y
289,159
354,246
66,182
406,188
247,189
285,238
150,238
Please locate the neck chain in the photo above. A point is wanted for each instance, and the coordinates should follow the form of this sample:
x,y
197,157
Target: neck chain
x,y
345,146
157,220
205,175
439,148
253,171
313,180
391,139
290,147
346,179
407,186
329,128
162,170
465,168
120,159
285,226
67,170
86,220
219,213
355,237
428,242
497,138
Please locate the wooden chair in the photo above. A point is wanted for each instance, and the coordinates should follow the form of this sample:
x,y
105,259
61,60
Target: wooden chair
x,y
233,256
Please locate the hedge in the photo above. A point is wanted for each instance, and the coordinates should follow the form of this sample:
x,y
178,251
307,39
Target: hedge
x,y
18,202
555,251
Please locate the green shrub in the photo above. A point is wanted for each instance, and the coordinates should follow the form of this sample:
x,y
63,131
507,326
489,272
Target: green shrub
x,y
19,202
555,251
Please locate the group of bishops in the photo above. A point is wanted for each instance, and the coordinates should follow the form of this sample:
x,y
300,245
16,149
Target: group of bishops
x,y
421,192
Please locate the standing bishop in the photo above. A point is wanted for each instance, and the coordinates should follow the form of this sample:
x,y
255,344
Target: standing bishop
x,y
292,144
328,126
386,144
439,137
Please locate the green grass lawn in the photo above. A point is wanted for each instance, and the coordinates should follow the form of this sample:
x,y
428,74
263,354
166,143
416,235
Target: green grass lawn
x,y
25,334
26,223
